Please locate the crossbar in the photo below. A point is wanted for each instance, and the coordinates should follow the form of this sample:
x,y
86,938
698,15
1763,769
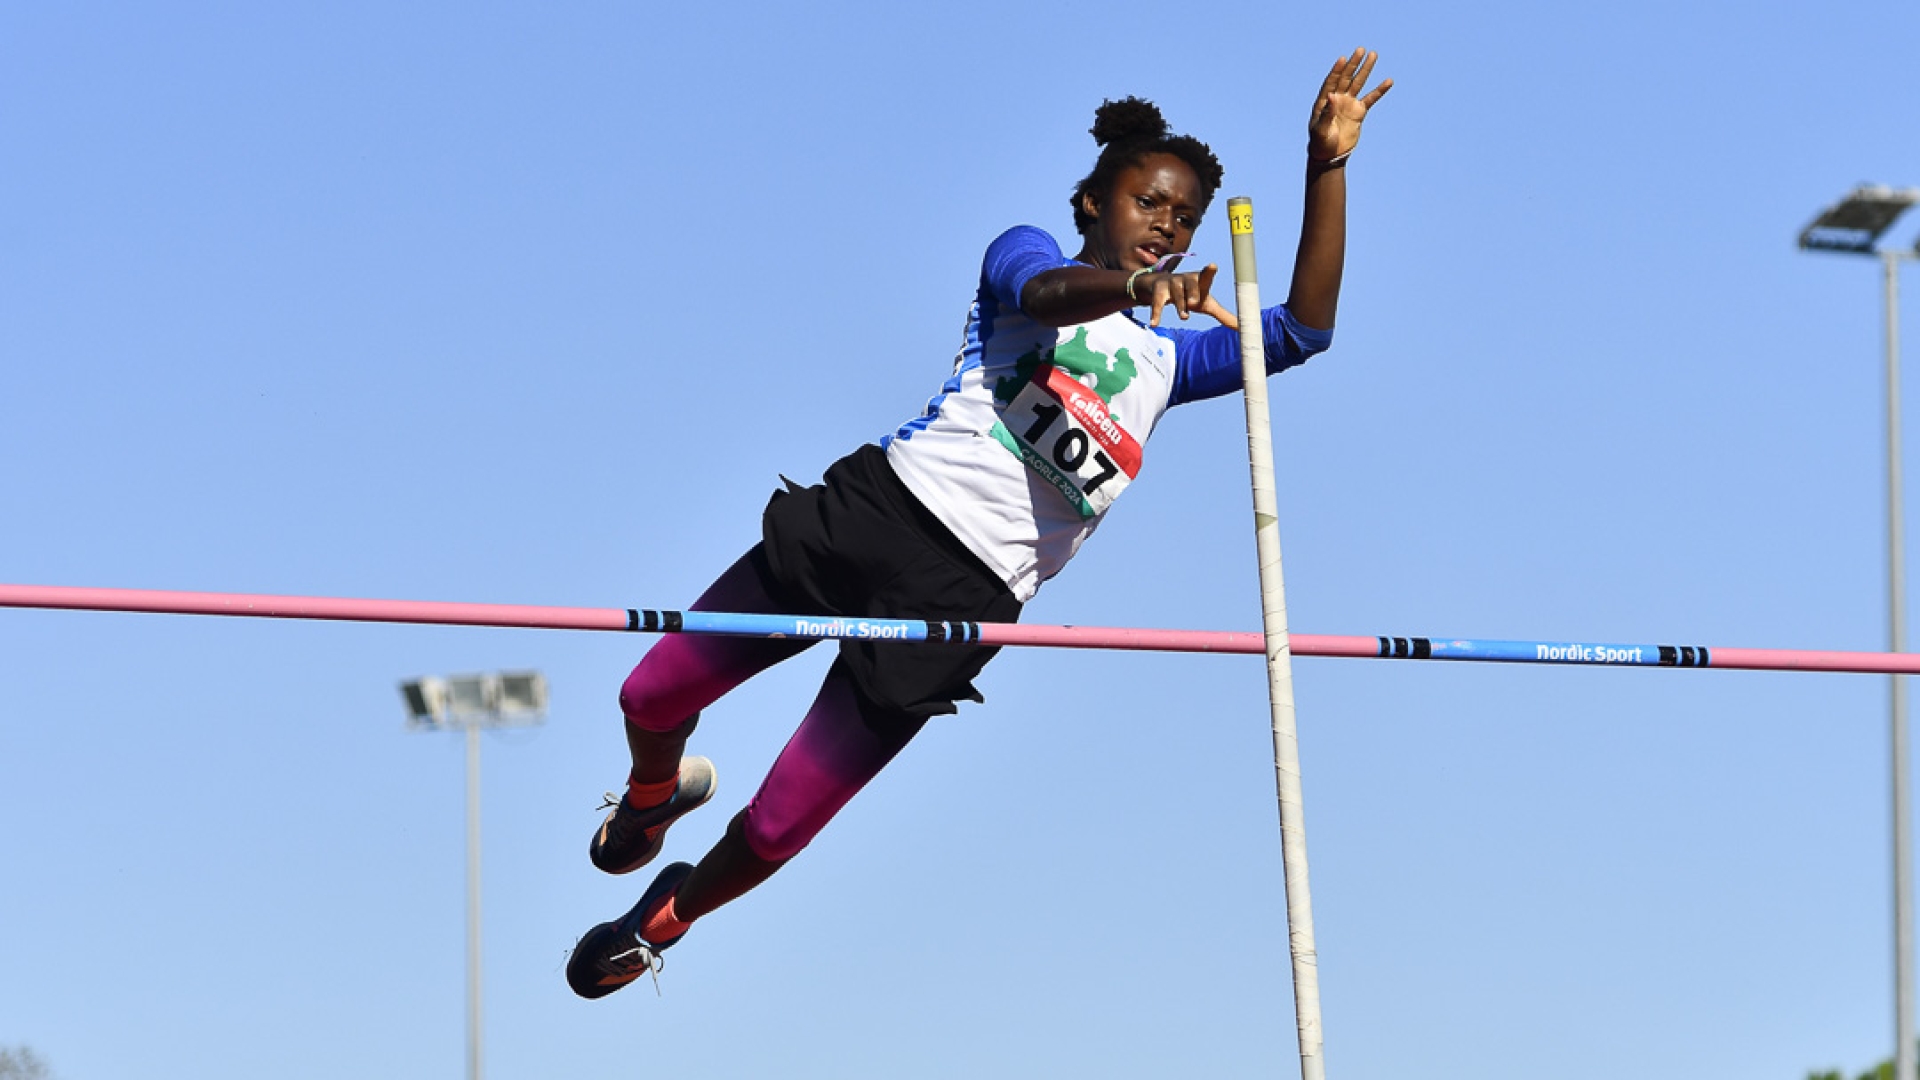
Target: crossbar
x,y
647,620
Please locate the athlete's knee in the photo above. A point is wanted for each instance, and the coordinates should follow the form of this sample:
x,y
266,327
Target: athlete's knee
x,y
776,837
647,707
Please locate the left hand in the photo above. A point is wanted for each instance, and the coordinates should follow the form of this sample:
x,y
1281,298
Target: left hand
x,y
1334,129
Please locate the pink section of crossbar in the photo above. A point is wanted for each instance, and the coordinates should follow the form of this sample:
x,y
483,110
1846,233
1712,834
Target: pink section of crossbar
x,y
1106,637
1220,641
1806,660
312,607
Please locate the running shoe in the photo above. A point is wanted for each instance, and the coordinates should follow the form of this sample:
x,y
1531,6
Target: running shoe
x,y
614,954
629,839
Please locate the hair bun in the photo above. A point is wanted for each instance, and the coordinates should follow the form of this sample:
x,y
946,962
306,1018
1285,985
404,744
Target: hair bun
x,y
1127,120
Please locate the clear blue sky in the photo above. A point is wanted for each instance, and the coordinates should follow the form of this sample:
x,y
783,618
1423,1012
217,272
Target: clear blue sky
x,y
530,304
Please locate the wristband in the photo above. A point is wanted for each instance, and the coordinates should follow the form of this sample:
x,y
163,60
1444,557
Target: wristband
x,y
1133,277
1332,162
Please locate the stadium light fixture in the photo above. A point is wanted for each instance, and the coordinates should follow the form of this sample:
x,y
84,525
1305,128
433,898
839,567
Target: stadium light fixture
x,y
1854,225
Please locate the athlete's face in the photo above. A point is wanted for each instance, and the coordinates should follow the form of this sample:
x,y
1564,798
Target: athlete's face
x,y
1151,212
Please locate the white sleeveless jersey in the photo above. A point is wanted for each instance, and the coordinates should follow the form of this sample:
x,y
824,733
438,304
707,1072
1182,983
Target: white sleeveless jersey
x,y
1035,435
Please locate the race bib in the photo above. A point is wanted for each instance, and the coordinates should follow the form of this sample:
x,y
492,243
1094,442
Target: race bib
x,y
1067,435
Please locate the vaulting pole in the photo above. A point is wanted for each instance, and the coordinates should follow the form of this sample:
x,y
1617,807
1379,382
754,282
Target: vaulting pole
x,y
1273,610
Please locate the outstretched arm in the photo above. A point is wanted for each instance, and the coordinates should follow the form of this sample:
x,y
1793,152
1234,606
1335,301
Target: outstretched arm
x,y
1077,294
1332,133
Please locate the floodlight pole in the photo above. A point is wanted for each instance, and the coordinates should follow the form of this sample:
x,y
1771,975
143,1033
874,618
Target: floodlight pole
x,y
470,725
1903,1052
474,1068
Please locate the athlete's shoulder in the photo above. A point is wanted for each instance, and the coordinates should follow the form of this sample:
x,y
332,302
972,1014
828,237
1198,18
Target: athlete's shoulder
x,y
1014,258
1024,239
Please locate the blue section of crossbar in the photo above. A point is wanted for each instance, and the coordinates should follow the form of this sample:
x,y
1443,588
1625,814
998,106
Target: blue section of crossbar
x,y
796,626
1605,654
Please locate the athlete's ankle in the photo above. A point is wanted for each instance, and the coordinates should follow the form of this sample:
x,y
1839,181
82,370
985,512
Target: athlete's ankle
x,y
646,796
664,924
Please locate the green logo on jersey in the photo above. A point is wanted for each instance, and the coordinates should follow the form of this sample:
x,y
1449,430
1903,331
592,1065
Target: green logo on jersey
x,y
1109,374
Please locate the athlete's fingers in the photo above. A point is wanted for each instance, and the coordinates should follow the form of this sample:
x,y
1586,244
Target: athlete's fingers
x,y
1160,294
1330,85
1336,78
1365,71
1206,280
1213,308
1335,75
1192,294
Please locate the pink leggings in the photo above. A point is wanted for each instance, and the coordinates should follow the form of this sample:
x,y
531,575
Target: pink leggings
x,y
839,746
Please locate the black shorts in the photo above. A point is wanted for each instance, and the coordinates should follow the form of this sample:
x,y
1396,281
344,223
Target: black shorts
x,y
860,545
